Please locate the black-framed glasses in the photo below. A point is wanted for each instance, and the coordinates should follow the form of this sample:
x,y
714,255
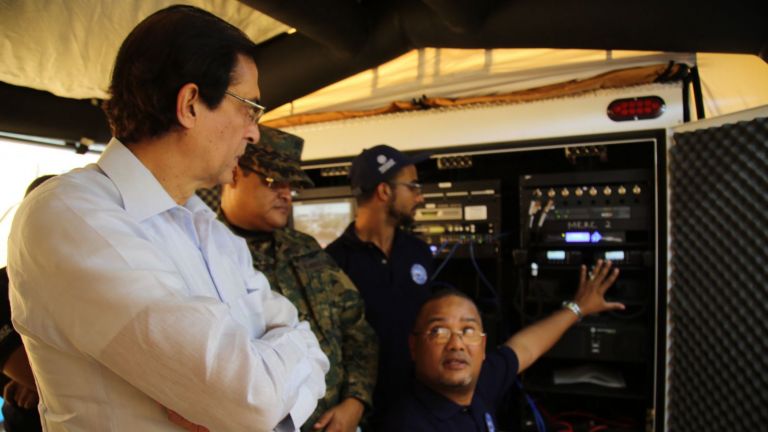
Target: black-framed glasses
x,y
255,111
414,187
441,335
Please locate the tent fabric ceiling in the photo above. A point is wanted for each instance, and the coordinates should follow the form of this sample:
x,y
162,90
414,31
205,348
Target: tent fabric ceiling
x,y
395,28
454,73
631,76
66,48
730,82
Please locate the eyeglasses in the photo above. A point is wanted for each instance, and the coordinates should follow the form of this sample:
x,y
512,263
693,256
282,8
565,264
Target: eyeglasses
x,y
414,187
273,184
255,111
441,335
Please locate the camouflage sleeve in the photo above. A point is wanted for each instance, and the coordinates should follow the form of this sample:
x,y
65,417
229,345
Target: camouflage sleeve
x,y
360,345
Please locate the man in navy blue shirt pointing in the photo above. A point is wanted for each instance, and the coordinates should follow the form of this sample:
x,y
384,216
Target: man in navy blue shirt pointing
x,y
458,387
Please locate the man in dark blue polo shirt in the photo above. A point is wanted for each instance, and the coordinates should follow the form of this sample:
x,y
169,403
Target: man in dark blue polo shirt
x,y
459,387
389,266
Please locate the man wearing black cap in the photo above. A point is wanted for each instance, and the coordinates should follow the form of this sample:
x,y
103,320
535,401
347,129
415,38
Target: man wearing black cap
x,y
256,206
389,266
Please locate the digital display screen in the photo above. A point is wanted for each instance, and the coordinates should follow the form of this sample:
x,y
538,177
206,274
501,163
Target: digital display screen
x,y
556,255
324,220
577,237
614,255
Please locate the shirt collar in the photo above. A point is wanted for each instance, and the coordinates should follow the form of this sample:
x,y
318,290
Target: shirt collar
x,y
196,204
350,236
143,196
435,403
260,243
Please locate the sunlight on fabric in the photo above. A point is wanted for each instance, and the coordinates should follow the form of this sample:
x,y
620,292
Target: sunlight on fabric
x,y
70,53
22,162
731,82
440,72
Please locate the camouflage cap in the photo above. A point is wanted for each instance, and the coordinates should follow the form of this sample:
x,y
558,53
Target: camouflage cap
x,y
277,155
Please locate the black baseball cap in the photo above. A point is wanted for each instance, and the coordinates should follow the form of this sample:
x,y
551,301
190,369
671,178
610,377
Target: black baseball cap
x,y
378,164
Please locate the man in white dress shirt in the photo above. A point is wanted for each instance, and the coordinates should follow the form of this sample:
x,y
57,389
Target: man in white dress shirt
x,y
133,301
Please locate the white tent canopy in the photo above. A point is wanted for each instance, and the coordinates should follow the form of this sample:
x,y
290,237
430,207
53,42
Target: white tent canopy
x,y
67,48
730,82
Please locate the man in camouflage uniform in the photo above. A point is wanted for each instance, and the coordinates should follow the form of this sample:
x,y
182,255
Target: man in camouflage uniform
x,y
256,206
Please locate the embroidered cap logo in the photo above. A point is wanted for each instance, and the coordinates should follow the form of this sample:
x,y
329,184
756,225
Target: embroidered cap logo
x,y
384,163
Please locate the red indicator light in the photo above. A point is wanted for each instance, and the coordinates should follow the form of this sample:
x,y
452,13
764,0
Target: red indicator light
x,y
641,108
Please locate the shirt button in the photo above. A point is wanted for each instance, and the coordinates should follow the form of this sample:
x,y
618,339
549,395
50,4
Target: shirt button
x,y
383,261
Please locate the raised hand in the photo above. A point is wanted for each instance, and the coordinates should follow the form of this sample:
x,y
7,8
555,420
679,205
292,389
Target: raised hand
x,y
592,287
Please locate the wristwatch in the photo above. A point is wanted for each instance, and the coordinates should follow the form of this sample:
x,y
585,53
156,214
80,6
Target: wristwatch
x,y
573,307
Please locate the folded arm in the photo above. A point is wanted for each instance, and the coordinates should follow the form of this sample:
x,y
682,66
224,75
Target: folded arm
x,y
96,286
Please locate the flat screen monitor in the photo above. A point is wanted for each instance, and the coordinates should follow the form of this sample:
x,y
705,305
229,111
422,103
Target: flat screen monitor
x,y
325,220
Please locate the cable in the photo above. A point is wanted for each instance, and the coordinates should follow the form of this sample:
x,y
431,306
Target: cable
x,y
480,272
547,208
540,425
447,258
552,420
440,248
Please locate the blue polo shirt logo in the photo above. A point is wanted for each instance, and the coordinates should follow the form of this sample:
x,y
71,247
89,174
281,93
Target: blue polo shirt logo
x,y
419,274
489,423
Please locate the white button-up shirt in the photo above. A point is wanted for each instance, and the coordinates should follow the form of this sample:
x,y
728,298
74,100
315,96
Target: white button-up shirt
x,y
128,303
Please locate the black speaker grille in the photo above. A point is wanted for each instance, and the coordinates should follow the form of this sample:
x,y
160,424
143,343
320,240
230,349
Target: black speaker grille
x,y
719,280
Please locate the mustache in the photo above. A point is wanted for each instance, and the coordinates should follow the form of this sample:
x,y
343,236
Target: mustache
x,y
456,356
